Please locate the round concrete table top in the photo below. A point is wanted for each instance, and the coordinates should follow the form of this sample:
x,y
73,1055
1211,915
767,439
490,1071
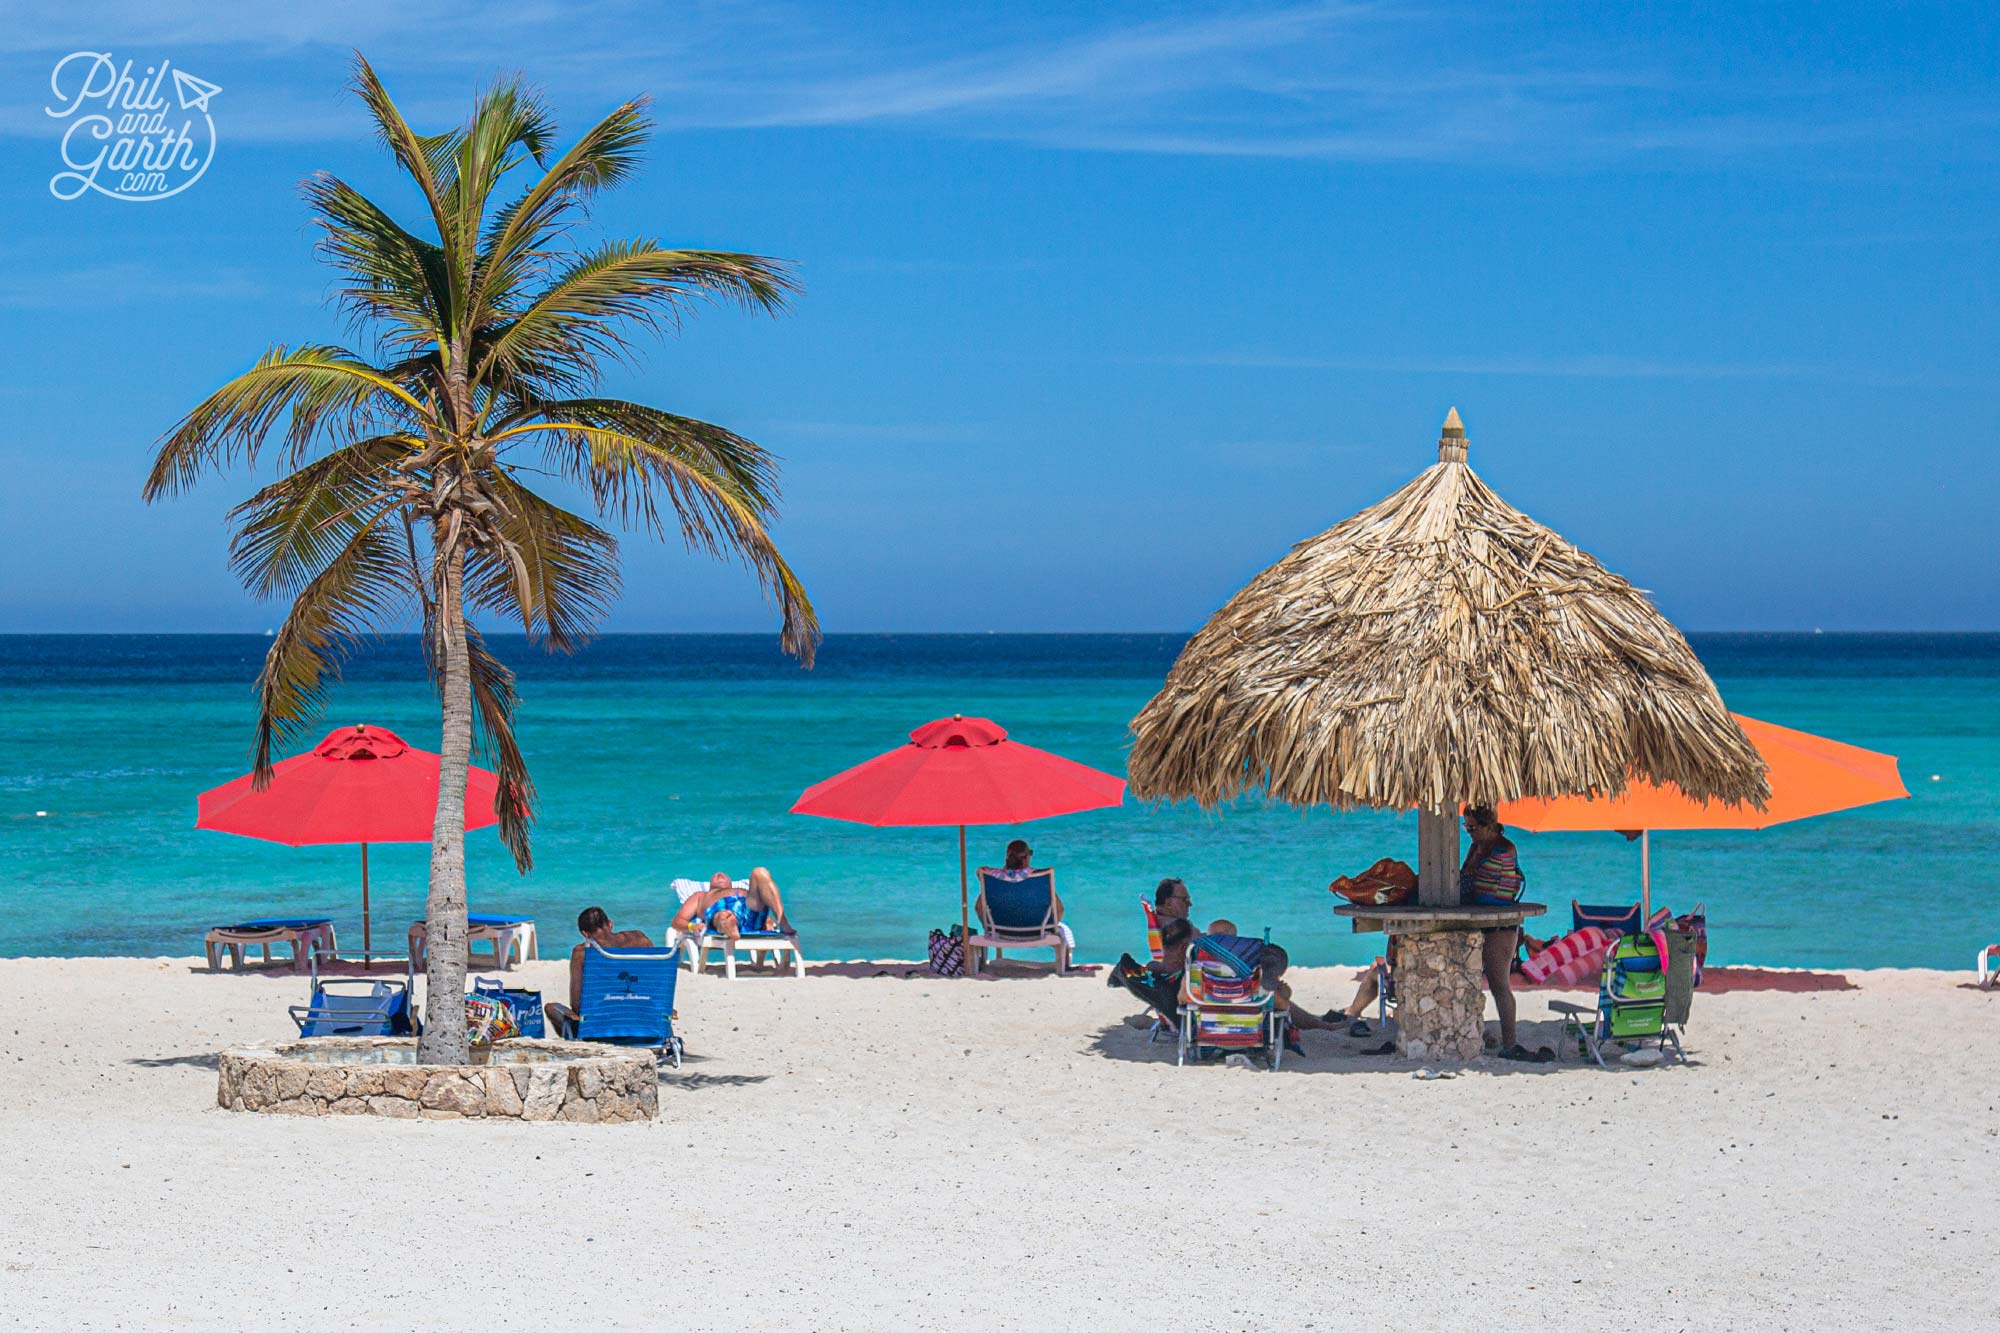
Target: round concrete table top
x,y
1410,918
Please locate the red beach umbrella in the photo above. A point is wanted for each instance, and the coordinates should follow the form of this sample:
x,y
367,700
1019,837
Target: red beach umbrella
x,y
960,770
1809,775
361,784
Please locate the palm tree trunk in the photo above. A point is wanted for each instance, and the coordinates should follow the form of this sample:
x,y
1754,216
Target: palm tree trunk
x,y
444,1040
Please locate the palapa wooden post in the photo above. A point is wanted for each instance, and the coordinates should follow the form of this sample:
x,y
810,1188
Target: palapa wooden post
x,y
1437,858
1437,830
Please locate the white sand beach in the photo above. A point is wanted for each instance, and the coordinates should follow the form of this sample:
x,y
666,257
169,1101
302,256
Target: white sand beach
x,y
852,1152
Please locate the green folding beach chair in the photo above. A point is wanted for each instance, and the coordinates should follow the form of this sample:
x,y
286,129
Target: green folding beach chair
x,y
1632,1005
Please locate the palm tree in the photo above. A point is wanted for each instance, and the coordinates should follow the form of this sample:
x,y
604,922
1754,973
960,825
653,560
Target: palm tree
x,y
404,493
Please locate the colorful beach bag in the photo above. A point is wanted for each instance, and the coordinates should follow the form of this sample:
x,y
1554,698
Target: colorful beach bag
x,y
948,952
488,1019
526,1005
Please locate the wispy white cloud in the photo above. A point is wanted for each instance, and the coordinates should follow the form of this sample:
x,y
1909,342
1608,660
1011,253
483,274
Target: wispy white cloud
x,y
1318,80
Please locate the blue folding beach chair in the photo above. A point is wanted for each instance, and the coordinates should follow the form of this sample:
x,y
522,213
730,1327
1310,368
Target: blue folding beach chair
x,y
358,1006
628,998
1016,914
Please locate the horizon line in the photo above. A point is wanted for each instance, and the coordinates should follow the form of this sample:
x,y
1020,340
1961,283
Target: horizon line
x,y
879,633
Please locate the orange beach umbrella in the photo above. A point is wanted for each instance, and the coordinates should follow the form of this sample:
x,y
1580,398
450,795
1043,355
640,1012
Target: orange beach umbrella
x,y
1809,775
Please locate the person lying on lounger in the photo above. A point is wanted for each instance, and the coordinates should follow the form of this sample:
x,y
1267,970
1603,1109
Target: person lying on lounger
x,y
596,928
725,910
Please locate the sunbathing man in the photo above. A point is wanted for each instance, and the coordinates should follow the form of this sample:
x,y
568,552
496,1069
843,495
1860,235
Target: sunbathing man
x,y
596,928
725,910
1159,984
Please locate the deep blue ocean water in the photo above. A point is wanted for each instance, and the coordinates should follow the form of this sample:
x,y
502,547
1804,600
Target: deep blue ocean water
x,y
669,755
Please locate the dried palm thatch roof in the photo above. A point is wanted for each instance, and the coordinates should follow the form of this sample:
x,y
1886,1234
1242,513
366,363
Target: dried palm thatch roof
x,y
1438,648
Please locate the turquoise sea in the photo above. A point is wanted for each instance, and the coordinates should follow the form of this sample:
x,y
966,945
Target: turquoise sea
x,y
669,755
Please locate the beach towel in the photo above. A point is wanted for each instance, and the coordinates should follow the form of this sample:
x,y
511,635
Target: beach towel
x,y
1680,956
1573,960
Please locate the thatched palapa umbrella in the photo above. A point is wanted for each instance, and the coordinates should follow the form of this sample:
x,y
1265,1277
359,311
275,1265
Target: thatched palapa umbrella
x,y
1438,649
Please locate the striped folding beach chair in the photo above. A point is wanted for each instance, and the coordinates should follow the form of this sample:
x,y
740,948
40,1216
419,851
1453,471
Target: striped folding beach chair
x,y
1224,1005
628,998
1157,947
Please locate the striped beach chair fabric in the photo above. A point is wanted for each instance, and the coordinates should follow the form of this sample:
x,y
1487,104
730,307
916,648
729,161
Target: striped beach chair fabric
x,y
628,998
1157,947
1224,1005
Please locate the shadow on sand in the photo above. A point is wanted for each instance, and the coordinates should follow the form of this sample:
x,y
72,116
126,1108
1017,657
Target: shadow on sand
x,y
1007,969
207,1061
1338,1053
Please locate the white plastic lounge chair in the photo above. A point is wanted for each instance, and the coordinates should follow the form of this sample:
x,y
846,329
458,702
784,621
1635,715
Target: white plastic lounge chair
x,y
306,935
1989,966
512,939
695,946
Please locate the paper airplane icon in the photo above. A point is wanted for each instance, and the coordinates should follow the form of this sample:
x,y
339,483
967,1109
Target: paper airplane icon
x,y
194,93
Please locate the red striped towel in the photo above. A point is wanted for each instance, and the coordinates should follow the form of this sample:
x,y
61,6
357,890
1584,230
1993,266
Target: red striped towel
x,y
1573,960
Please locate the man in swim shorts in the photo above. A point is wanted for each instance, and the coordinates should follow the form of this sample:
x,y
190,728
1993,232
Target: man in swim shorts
x,y
725,910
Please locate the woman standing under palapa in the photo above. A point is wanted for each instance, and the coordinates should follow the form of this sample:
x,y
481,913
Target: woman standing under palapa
x,y
1491,877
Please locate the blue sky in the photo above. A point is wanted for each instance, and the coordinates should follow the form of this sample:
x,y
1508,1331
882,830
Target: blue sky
x,y
1107,305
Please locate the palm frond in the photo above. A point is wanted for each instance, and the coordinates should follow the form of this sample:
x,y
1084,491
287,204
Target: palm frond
x,y
493,702
358,592
508,121
427,159
675,468
576,321
324,389
292,529
554,571
391,274
514,248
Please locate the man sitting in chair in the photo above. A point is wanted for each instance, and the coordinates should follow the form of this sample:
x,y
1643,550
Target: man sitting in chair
x,y
1159,984
725,910
596,928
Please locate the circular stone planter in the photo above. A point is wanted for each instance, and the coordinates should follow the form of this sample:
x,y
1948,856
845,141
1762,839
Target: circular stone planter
x,y
518,1079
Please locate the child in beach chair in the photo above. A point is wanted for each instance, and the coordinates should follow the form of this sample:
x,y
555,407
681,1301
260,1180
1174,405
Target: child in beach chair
x,y
1632,998
1018,910
1224,1003
628,998
358,1006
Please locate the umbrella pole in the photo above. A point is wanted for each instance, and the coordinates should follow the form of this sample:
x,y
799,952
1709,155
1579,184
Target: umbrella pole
x,y
367,945
964,911
1645,877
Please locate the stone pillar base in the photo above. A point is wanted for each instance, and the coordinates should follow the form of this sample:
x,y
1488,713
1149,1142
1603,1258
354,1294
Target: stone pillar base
x,y
1440,1002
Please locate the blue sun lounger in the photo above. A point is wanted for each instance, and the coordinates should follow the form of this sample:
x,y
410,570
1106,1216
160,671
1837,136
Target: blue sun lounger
x,y
357,1006
628,998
